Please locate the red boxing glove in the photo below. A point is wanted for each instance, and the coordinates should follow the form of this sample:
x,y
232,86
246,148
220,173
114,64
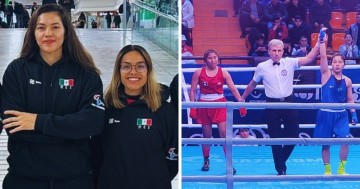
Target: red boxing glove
x,y
243,112
193,113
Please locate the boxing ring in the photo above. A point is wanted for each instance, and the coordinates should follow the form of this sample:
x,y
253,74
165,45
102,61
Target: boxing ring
x,y
262,174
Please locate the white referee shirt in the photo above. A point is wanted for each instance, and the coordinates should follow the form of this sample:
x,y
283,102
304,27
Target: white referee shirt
x,y
277,79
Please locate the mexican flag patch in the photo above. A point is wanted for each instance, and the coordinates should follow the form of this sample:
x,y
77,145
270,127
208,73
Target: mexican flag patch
x,y
143,123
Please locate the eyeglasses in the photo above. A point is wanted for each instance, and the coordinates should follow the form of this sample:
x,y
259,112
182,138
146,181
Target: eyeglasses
x,y
126,68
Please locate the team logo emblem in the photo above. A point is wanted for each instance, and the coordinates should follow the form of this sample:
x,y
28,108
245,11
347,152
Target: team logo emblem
x,y
284,72
33,82
98,103
112,121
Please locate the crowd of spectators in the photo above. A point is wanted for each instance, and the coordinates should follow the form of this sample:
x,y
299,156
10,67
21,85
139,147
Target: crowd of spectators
x,y
293,21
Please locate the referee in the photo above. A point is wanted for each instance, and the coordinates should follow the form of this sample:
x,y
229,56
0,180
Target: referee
x,y
277,75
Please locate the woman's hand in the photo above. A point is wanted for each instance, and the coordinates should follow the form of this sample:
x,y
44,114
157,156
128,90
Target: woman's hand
x,y
20,121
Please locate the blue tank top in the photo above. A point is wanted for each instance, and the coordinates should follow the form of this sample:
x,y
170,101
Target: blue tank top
x,y
334,91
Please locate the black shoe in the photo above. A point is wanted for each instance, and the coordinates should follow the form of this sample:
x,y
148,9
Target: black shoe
x,y
243,35
206,164
234,171
282,173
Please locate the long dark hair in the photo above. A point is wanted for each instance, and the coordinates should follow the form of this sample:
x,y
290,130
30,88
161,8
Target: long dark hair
x,y
72,46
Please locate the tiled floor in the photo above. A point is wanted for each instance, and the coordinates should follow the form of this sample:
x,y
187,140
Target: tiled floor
x,y
103,45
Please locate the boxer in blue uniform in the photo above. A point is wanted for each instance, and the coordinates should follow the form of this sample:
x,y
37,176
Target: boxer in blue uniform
x,y
336,88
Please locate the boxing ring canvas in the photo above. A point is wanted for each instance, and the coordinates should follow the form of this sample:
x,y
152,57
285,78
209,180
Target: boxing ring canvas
x,y
257,160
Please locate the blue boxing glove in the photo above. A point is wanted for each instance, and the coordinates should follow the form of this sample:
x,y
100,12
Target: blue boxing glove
x,y
354,119
322,34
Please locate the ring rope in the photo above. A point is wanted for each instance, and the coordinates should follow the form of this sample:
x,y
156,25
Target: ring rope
x,y
272,178
258,126
247,69
270,105
307,86
274,141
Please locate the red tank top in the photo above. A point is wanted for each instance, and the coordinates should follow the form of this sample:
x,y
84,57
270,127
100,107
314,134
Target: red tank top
x,y
211,85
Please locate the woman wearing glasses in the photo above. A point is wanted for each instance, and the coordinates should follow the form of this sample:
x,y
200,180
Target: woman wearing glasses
x,y
139,134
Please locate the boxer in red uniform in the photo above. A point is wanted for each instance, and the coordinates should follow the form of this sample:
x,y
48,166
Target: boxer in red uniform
x,y
211,79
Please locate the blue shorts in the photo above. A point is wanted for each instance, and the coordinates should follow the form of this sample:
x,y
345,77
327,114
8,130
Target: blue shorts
x,y
332,125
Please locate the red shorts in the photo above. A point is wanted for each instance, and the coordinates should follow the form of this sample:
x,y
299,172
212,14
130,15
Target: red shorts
x,y
207,116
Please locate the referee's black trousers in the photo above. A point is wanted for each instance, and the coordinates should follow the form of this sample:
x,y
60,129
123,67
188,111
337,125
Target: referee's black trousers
x,y
275,118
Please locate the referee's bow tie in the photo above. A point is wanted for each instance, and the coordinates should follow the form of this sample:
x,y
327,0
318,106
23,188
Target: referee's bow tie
x,y
276,63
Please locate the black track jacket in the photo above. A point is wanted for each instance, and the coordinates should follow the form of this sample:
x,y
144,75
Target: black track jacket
x,y
135,144
68,102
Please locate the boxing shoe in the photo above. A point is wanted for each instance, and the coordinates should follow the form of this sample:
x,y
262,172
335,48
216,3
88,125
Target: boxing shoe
x,y
206,164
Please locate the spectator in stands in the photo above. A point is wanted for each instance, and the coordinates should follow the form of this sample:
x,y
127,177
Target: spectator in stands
x,y
140,135
117,20
349,49
302,48
186,51
320,15
184,46
354,30
211,79
187,20
287,47
128,11
108,19
51,124
276,9
294,9
252,15
277,75
259,48
237,6
334,123
300,29
264,2
279,30
308,3
350,5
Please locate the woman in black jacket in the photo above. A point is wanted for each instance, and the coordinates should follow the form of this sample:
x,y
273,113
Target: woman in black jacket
x,y
140,132
52,103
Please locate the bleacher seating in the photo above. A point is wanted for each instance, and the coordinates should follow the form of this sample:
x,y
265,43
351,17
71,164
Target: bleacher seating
x,y
350,19
337,40
336,20
314,38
